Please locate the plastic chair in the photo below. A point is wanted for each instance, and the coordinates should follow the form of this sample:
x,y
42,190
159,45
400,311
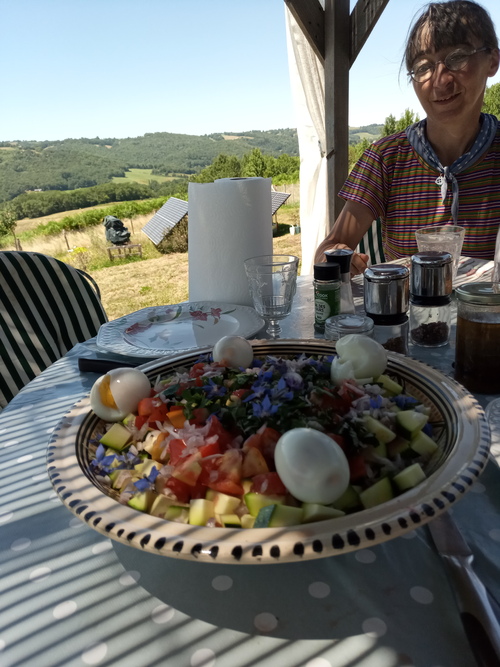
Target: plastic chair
x,y
46,307
371,243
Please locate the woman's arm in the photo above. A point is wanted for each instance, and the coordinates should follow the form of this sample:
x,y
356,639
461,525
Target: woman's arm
x,y
352,224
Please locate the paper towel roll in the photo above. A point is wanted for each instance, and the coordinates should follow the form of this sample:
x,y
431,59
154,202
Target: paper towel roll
x,y
229,221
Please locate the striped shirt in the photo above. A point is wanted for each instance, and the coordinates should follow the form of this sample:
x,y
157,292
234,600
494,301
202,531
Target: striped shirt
x,y
400,188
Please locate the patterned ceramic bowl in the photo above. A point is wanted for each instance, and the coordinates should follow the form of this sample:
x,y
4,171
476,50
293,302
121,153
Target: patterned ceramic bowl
x,y
463,439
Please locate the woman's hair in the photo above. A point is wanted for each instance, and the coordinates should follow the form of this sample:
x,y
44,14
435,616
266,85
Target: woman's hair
x,y
444,24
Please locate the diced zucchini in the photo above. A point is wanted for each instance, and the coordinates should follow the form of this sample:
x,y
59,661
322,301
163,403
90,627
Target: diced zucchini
x,y
177,513
256,501
423,445
316,512
150,440
142,501
409,477
247,521
390,385
117,437
277,516
230,520
200,511
348,500
129,419
145,467
410,422
162,506
247,485
223,504
381,449
377,494
379,430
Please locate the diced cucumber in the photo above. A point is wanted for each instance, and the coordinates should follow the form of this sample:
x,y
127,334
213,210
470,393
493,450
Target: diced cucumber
x,y
230,520
277,516
223,504
256,501
142,501
177,513
247,521
200,511
381,449
162,506
410,422
348,500
117,437
316,512
409,477
377,494
379,430
423,445
145,468
390,385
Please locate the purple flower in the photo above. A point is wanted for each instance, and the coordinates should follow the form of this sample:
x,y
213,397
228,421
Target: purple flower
x,y
148,482
265,408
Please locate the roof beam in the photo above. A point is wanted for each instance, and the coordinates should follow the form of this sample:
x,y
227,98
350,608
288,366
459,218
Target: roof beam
x,y
310,17
364,16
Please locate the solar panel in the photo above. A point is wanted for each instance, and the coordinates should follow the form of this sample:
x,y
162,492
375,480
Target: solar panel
x,y
165,219
175,209
277,200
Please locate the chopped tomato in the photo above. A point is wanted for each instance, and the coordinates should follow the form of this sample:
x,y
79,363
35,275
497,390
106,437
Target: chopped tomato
x,y
339,439
145,406
159,414
180,489
188,470
197,370
239,393
357,467
254,463
216,428
268,483
140,420
329,401
227,486
200,416
176,447
223,473
209,449
269,439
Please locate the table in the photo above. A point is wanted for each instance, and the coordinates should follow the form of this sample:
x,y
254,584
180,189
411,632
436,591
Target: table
x,y
69,597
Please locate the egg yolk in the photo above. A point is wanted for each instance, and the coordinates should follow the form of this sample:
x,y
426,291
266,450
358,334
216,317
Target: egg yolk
x,y
105,393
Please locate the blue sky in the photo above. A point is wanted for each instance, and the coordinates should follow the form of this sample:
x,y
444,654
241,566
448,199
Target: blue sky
x,y
121,68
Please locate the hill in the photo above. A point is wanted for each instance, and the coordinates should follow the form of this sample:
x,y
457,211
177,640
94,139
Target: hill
x,y
81,163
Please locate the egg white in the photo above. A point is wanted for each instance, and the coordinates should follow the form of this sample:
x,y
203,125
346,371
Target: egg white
x,y
233,351
311,465
127,387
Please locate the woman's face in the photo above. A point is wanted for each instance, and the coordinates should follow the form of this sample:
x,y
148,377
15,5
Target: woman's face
x,y
454,97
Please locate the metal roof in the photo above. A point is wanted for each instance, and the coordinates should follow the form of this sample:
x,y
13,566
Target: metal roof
x,y
165,219
175,209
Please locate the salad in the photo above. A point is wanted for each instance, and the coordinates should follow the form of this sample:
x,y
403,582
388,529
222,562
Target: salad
x,y
275,443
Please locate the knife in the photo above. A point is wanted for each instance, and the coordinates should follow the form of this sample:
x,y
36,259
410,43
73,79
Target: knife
x,y
478,617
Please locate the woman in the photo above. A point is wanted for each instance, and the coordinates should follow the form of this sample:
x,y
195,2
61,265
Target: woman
x,y
445,168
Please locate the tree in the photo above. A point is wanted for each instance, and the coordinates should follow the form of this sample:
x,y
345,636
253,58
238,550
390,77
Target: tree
x,y
8,222
491,102
391,125
255,164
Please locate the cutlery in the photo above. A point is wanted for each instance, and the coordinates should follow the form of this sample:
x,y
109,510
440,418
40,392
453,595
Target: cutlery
x,y
478,617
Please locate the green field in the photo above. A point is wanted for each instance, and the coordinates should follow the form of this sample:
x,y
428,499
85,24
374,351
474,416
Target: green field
x,y
141,176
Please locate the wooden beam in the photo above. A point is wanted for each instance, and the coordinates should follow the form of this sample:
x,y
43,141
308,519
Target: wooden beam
x,y
337,40
310,17
364,16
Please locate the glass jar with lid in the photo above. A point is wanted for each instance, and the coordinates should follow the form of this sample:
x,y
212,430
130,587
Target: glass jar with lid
x,y
386,290
346,323
477,357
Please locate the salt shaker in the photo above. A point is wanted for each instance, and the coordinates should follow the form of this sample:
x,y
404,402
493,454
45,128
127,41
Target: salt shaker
x,y
430,298
386,298
343,256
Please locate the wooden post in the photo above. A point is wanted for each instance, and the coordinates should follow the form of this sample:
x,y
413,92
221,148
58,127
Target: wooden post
x,y
337,48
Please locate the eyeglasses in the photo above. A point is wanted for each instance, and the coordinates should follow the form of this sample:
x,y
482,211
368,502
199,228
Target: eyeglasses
x,y
454,62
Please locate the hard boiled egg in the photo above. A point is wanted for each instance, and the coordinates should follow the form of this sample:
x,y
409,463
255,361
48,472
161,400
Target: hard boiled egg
x,y
311,465
233,352
359,357
117,394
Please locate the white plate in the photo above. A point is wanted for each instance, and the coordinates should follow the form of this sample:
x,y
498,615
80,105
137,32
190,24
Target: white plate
x,y
164,330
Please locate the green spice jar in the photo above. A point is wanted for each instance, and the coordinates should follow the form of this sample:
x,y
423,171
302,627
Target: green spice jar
x,y
326,294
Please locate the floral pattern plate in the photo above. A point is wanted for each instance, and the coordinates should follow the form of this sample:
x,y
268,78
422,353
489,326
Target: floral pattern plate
x,y
166,330
462,456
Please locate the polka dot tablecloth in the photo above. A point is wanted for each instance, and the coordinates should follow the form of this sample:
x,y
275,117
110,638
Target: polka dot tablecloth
x,y
69,597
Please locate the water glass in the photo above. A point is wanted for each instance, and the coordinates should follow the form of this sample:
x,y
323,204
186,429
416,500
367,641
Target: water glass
x,y
449,238
272,281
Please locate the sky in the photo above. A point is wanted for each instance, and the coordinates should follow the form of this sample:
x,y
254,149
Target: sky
x,y
122,68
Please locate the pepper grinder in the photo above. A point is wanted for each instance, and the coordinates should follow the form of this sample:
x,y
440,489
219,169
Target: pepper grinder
x,y
343,256
430,298
386,290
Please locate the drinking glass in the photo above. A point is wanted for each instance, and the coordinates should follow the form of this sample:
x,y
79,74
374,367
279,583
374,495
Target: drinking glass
x,y
449,238
272,280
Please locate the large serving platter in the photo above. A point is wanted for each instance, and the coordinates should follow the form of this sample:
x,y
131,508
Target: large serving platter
x,y
463,439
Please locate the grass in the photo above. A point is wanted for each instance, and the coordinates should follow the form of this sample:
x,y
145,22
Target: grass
x,y
141,176
129,285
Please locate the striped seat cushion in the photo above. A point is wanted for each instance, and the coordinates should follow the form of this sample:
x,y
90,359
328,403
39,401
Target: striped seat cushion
x,y
46,307
371,243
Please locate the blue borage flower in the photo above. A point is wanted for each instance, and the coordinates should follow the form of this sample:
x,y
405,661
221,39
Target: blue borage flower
x,y
404,402
102,463
214,390
147,483
265,408
376,402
